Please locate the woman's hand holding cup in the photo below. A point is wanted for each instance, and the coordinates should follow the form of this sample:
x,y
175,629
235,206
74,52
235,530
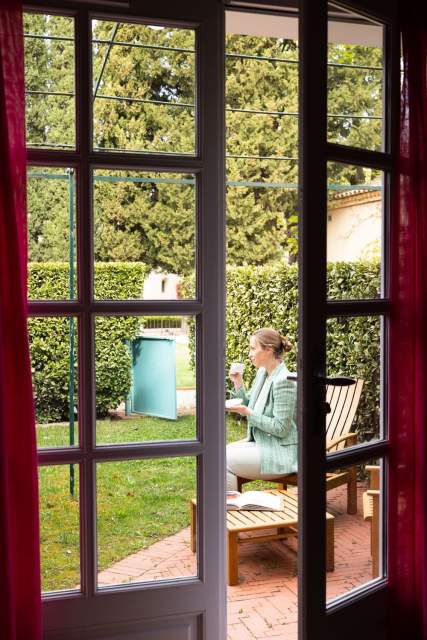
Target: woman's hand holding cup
x,y
236,374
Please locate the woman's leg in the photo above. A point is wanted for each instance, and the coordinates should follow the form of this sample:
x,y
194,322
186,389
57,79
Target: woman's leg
x,y
243,460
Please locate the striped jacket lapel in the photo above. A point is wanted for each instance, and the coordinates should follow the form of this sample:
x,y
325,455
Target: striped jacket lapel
x,y
257,386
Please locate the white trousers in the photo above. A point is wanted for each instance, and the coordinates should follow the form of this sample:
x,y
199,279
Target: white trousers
x,y
244,460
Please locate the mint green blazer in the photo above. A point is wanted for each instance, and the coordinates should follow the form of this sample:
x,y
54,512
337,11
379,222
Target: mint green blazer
x,y
274,426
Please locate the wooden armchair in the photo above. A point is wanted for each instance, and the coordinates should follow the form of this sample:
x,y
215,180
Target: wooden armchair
x,y
371,511
343,402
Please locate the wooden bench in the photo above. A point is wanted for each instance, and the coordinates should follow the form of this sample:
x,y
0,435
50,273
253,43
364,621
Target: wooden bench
x,y
285,523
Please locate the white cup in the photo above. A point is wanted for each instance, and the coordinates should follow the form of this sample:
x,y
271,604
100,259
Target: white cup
x,y
237,367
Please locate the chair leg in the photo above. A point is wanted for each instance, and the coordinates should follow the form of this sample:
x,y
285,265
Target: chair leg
x,y
352,491
240,483
193,520
232,558
330,551
375,537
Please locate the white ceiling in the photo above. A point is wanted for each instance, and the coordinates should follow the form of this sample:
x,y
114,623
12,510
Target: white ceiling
x,y
275,26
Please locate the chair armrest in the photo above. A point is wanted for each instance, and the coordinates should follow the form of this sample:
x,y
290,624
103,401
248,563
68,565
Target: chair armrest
x,y
352,437
373,492
374,475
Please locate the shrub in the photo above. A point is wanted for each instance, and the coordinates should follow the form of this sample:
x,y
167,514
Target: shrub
x,y
268,296
50,343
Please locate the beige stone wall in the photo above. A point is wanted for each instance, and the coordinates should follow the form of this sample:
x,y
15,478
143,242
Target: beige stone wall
x,y
161,286
354,228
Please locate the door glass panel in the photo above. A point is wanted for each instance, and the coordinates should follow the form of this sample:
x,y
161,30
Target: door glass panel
x,y
261,140
354,231
54,366
59,527
353,349
52,237
355,80
143,520
144,87
145,378
355,499
49,81
145,235
262,217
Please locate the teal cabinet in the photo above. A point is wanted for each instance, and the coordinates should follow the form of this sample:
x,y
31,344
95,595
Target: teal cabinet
x,y
153,391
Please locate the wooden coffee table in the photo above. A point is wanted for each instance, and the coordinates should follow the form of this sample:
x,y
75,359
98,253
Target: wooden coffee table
x,y
284,523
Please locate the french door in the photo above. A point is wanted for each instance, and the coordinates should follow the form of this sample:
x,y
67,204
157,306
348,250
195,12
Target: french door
x,y
362,612
100,161
104,165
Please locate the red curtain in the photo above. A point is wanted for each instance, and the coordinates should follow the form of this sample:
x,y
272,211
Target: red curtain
x,y
408,345
20,603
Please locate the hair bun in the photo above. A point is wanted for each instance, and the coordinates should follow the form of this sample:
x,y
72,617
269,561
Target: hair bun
x,y
269,338
285,344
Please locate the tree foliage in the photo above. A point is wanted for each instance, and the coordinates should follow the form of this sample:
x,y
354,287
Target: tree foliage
x,y
49,67
51,343
145,97
268,296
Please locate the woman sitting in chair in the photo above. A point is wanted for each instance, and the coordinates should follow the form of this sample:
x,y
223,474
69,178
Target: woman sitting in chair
x,y
270,448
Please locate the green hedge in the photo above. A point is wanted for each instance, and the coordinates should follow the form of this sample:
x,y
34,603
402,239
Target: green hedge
x,y
50,343
256,297
267,296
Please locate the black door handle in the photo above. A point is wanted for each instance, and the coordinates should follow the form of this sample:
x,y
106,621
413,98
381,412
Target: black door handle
x,y
338,381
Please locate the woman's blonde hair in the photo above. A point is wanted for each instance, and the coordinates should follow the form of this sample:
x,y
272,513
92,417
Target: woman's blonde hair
x,y
270,338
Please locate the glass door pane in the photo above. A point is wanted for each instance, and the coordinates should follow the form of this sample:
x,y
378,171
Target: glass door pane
x,y
144,91
356,87
357,536
50,81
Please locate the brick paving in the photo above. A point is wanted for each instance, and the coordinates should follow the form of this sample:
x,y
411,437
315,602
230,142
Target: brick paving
x,y
264,603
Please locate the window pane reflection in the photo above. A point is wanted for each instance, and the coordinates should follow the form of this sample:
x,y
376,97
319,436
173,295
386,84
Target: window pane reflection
x,y
354,498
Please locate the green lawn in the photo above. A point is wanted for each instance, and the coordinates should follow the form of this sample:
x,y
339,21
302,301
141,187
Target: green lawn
x,y
139,501
116,431
184,374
